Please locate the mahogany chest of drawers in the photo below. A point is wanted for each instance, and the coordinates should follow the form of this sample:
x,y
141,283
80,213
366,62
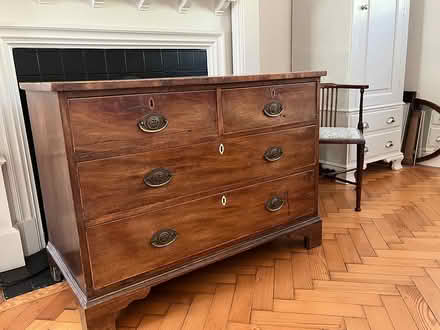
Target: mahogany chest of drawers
x,y
145,180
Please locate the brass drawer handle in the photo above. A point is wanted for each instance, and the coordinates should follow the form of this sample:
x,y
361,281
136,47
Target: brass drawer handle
x,y
366,125
391,120
273,154
153,123
437,140
366,149
158,177
273,109
163,238
274,204
389,144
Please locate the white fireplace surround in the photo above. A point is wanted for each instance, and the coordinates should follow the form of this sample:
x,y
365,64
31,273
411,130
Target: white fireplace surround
x,y
19,179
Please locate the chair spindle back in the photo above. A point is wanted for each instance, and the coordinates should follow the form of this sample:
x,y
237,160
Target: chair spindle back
x,y
329,106
329,103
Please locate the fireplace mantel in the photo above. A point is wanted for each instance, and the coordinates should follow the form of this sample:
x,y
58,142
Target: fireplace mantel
x,y
19,178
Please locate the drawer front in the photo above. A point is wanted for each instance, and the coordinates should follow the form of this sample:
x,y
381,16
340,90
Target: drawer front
x,y
106,125
258,107
118,184
380,144
376,121
163,238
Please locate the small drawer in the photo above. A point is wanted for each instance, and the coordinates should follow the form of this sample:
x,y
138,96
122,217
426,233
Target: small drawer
x,y
155,240
381,120
132,123
122,183
261,107
379,144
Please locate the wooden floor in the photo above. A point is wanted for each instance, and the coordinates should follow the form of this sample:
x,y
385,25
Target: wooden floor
x,y
378,269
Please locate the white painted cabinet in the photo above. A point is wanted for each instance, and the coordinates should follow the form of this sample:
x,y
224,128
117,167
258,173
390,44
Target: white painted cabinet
x,y
358,41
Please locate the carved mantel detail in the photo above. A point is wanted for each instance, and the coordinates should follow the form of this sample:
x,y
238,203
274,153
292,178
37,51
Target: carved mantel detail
x,y
45,2
183,6
144,4
222,6
97,3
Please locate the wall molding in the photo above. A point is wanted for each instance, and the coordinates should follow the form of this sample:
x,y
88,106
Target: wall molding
x,y
19,179
245,36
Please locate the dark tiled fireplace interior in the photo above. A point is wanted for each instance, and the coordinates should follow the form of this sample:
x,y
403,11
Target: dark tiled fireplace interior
x,y
43,64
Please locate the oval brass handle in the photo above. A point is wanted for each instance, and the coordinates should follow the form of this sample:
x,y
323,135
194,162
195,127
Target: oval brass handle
x,y
366,125
273,154
274,204
163,238
391,120
389,144
273,109
153,123
437,140
158,177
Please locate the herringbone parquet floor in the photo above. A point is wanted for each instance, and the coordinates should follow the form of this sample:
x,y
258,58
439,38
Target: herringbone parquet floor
x,y
378,269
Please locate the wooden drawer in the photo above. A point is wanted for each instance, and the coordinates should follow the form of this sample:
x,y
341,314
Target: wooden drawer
x,y
108,125
117,184
379,144
243,108
390,119
201,225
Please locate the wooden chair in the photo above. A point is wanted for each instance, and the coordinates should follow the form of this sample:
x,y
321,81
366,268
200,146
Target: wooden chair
x,y
331,134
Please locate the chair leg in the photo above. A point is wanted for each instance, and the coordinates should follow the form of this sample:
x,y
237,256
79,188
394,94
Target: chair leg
x,y
359,172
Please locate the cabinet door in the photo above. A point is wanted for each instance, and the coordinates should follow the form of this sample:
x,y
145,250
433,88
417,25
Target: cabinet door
x,y
379,39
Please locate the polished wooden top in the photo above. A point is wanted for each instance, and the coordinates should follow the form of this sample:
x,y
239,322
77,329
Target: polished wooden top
x,y
164,82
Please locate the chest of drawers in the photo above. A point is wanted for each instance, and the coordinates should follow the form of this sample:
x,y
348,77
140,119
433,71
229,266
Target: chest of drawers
x,y
146,180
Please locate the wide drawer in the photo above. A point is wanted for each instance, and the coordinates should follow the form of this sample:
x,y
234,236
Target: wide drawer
x,y
118,184
260,107
380,144
375,121
130,123
155,240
